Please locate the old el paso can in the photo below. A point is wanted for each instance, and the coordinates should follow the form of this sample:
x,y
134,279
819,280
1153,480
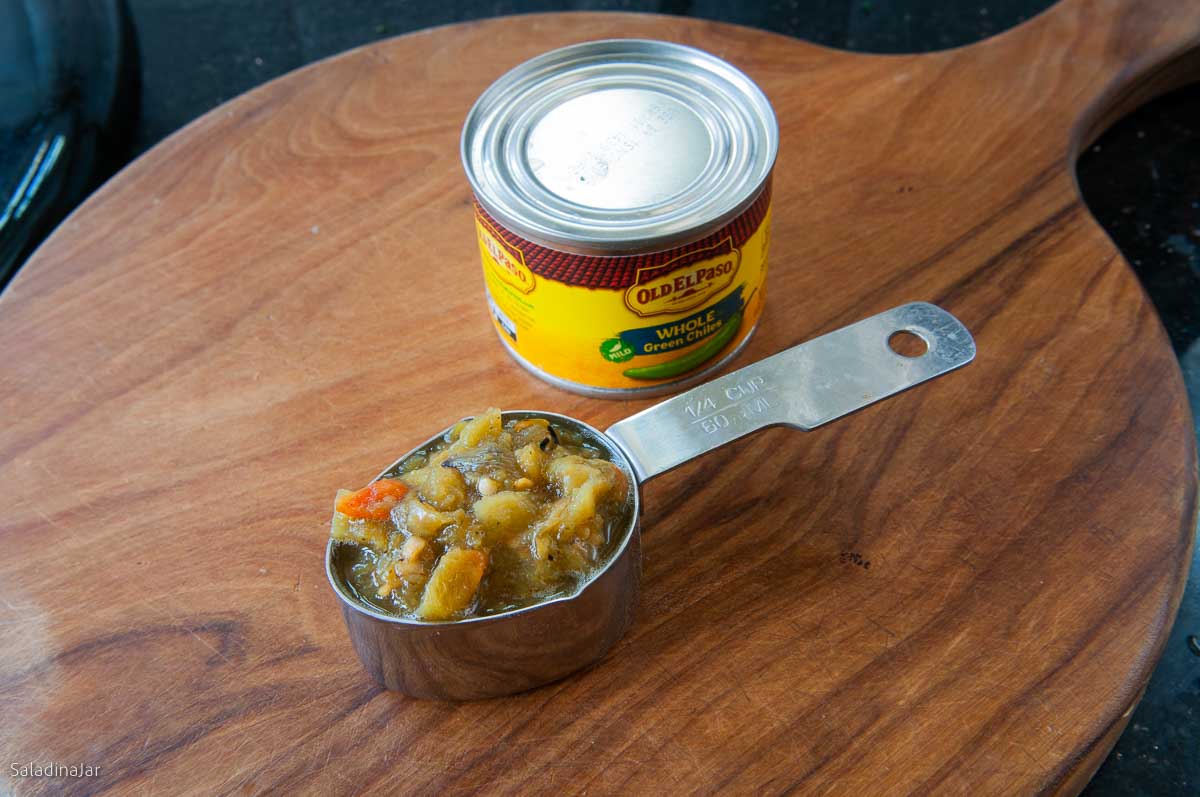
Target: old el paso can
x,y
623,207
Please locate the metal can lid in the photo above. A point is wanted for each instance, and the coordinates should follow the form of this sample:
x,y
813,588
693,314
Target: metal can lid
x,y
619,145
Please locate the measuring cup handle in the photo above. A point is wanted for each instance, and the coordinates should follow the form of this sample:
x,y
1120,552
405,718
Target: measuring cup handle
x,y
805,386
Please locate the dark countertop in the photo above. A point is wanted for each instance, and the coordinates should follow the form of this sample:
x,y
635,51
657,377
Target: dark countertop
x,y
1141,180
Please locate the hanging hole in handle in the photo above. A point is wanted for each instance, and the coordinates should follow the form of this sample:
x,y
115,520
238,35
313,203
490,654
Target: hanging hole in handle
x,y
907,344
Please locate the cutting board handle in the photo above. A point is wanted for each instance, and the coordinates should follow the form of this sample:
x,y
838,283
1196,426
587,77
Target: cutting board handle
x,y
1153,75
1113,55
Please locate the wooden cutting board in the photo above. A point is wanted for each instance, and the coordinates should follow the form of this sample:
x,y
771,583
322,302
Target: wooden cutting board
x,y
960,590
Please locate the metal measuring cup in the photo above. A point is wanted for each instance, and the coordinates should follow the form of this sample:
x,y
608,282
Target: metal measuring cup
x,y
804,387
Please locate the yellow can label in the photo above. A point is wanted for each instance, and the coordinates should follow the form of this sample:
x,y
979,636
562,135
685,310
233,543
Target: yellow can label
x,y
628,321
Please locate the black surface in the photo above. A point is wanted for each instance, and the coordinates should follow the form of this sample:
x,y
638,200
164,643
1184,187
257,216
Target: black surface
x,y
199,53
1142,180
68,84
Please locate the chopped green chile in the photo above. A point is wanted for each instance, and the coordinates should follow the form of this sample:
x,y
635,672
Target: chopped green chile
x,y
498,515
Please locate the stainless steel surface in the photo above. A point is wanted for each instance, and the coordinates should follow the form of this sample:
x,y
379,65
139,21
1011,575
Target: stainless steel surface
x,y
803,387
619,145
492,656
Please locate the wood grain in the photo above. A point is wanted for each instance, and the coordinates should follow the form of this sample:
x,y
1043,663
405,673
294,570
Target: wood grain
x,y
283,296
